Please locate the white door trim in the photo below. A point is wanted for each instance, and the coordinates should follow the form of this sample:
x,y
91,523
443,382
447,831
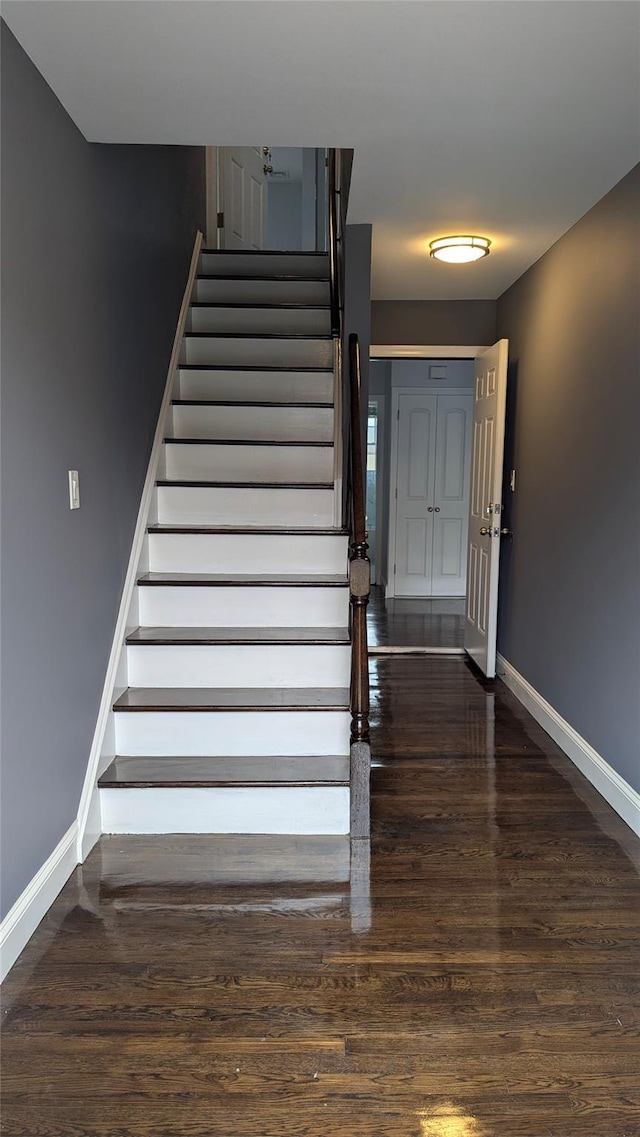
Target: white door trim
x,y
213,190
430,389
425,351
381,403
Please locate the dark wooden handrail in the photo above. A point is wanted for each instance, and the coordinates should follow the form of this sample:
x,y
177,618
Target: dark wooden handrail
x,y
335,240
349,388
359,564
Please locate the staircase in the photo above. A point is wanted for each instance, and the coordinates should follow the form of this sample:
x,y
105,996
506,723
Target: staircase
x,y
236,718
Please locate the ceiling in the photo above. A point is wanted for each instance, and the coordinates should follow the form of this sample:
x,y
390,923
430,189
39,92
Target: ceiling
x,y
507,119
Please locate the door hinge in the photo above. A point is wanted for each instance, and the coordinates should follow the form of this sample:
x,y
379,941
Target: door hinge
x,y
396,493
220,221
398,413
394,569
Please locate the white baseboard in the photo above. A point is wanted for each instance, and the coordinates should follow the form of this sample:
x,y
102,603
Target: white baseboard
x,y
89,825
29,909
614,789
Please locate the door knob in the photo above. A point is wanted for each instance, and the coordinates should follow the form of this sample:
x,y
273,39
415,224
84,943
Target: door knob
x,y
437,510
267,169
484,531
506,532
429,509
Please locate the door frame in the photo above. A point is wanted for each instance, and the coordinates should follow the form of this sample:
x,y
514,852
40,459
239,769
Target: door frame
x,y
396,392
413,351
213,195
381,402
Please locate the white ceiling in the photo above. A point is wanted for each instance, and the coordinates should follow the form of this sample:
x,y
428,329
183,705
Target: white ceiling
x,y
508,118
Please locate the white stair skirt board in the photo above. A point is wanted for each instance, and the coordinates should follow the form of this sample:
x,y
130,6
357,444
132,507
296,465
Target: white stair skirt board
x,y
185,733
32,905
286,809
243,607
253,321
213,505
247,264
614,789
233,552
257,351
257,386
262,291
244,463
248,665
269,424
88,811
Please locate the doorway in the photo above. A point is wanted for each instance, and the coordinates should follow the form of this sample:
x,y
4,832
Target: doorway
x,y
266,198
432,589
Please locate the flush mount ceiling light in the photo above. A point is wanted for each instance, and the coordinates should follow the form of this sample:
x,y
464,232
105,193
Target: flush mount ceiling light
x,y
459,250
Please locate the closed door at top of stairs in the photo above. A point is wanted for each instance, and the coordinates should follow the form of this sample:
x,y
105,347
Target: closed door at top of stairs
x,y
431,498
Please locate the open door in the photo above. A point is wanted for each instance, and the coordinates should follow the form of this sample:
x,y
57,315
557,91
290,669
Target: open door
x,y
243,178
485,507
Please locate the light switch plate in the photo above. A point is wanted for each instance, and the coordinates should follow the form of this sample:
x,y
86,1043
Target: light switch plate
x,y
74,489
512,481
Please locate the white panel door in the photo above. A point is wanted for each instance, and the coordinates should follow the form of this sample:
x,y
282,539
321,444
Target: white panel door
x,y
415,493
451,502
244,197
485,508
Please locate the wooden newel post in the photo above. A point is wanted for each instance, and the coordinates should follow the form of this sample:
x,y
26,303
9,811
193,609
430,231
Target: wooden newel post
x,y
359,589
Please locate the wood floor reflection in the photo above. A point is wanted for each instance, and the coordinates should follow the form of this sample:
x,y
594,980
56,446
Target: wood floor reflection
x,y
482,981
401,622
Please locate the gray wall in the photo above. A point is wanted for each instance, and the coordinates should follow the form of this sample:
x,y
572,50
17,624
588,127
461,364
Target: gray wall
x,y
569,617
433,321
357,318
96,243
357,299
284,216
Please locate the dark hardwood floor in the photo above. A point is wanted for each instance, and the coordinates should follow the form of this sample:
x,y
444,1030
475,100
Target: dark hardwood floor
x,y
415,623
482,982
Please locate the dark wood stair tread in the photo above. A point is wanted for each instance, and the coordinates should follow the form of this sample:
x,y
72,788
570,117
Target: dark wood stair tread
x,y
227,636
286,304
303,368
252,530
248,403
200,484
263,252
261,580
128,772
241,441
287,278
260,335
136,699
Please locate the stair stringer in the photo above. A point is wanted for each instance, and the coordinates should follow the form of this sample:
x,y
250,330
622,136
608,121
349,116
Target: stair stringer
x,y
102,749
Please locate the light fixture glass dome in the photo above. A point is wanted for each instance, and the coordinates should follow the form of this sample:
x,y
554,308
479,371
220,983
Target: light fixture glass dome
x,y
459,249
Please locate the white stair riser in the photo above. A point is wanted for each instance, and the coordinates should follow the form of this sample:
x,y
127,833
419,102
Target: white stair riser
x,y
250,463
286,809
258,352
272,424
258,386
184,733
235,552
253,321
279,264
231,665
200,505
243,607
262,291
